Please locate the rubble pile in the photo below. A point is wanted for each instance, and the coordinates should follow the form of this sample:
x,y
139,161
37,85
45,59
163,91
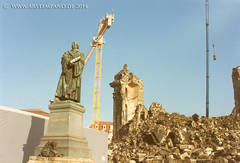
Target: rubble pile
x,y
172,136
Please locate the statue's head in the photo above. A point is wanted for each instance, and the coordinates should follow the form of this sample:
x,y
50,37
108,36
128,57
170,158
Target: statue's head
x,y
75,45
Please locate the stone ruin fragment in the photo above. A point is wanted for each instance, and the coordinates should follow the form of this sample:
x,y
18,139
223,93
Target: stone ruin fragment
x,y
153,135
236,88
163,136
128,93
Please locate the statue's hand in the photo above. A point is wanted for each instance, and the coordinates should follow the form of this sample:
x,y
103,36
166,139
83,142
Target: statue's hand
x,y
70,64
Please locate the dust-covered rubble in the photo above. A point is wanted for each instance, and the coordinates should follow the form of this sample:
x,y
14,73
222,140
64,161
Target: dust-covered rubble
x,y
163,136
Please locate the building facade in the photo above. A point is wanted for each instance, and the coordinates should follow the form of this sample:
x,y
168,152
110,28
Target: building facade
x,y
106,127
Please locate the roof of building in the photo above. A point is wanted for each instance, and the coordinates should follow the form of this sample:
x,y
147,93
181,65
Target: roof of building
x,y
37,111
107,123
6,108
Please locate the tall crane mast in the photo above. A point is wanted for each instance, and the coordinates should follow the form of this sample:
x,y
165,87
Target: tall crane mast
x,y
97,43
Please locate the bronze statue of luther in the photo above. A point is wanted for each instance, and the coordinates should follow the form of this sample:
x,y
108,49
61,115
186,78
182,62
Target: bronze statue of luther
x,y
69,85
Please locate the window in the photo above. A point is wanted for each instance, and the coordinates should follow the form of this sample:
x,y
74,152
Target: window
x,y
104,127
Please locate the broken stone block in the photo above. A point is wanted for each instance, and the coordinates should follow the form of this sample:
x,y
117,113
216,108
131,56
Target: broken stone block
x,y
150,138
155,108
158,157
203,156
170,157
184,146
184,156
171,136
219,148
141,156
149,161
195,117
236,88
170,143
237,158
208,151
141,113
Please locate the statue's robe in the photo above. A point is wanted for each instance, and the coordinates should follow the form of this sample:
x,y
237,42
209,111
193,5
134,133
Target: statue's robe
x,y
69,85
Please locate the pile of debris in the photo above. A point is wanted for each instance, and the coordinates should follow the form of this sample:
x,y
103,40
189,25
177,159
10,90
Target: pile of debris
x,y
172,136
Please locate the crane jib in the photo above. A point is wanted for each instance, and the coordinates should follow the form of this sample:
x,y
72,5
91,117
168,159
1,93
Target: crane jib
x,y
104,25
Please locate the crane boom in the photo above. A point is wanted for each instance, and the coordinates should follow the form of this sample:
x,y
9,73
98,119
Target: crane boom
x,y
89,53
103,25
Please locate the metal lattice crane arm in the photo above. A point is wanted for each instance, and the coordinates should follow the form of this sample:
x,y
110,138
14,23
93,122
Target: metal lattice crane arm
x,y
103,25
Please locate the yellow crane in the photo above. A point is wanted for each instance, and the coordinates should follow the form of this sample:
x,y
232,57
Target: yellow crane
x,y
97,43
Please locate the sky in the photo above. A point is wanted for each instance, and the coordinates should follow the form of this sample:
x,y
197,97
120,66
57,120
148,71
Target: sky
x,y
162,41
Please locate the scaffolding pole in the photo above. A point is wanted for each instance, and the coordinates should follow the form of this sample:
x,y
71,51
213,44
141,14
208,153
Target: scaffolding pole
x,y
207,58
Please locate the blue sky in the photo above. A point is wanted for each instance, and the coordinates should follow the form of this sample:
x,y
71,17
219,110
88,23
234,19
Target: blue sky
x,y
162,41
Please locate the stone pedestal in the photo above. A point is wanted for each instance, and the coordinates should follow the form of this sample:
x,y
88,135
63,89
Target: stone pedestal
x,y
65,127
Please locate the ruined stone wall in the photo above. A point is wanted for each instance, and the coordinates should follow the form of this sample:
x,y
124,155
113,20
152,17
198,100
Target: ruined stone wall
x,y
236,88
164,137
128,93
